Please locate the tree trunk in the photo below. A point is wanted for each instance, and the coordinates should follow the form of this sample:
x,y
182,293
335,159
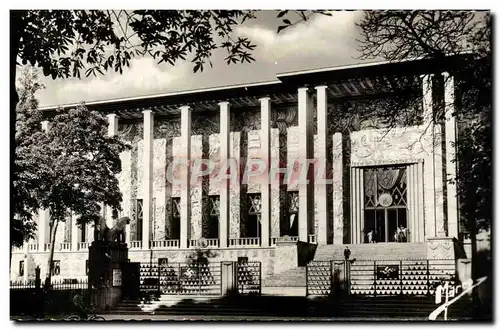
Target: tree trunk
x,y
53,231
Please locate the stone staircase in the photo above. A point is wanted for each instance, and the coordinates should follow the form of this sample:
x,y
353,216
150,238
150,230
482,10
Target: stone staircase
x,y
356,308
377,251
288,283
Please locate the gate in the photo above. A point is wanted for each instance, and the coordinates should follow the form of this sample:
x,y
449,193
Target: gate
x,y
131,280
378,277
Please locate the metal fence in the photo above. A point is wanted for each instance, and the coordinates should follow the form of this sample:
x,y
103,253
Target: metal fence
x,y
62,284
249,277
196,278
378,277
29,298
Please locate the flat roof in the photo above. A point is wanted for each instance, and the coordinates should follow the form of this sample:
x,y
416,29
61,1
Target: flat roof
x,y
286,82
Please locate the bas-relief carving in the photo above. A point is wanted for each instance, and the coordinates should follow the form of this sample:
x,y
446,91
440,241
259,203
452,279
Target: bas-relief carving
x,y
176,171
167,129
131,132
357,115
440,249
234,188
275,188
205,124
405,145
337,189
253,153
234,191
439,186
381,145
245,120
214,156
159,180
292,153
140,169
196,190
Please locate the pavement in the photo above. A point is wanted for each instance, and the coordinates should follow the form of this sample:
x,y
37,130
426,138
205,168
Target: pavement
x,y
152,317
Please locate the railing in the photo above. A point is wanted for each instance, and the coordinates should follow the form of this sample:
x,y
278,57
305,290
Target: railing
x,y
64,246
245,241
63,284
168,243
136,244
83,245
379,277
47,246
33,247
274,240
16,249
444,307
312,239
209,242
20,285
197,278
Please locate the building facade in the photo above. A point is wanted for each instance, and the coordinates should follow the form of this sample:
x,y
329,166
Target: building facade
x,y
387,174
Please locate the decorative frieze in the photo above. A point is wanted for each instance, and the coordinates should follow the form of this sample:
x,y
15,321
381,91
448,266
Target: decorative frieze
x,y
234,187
337,185
196,190
159,186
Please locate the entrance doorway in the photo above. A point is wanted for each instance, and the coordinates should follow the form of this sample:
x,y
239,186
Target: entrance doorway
x,y
385,204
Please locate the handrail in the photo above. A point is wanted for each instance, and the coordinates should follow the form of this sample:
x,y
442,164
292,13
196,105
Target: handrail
x,y
444,307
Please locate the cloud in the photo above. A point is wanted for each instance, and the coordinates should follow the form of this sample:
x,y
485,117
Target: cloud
x,y
320,36
143,77
321,41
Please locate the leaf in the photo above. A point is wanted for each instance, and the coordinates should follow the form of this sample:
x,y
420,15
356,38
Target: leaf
x,y
286,21
282,13
280,28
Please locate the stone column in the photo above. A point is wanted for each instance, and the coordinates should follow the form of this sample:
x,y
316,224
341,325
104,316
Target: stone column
x,y
112,131
43,221
429,170
224,184
45,126
305,153
451,165
185,187
412,208
420,203
74,233
147,213
112,124
26,261
265,184
357,206
321,188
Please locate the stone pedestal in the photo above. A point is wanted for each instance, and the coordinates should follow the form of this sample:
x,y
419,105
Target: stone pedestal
x,y
285,255
105,271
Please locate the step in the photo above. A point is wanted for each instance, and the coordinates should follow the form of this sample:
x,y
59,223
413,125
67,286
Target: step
x,y
294,291
377,251
295,277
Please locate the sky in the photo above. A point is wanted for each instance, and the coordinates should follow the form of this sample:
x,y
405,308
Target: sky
x,y
322,41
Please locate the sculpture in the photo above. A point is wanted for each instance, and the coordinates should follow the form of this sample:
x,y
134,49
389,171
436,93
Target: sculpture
x,y
115,234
